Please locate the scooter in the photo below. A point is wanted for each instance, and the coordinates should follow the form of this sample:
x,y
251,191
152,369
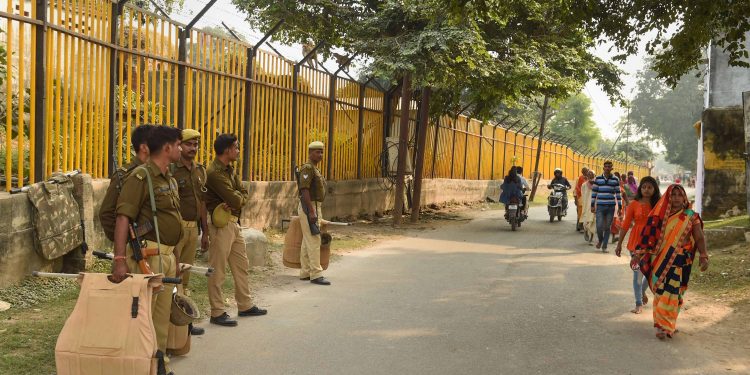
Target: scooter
x,y
555,203
515,213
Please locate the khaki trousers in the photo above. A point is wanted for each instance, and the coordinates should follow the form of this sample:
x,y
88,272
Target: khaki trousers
x,y
228,247
309,256
161,305
187,247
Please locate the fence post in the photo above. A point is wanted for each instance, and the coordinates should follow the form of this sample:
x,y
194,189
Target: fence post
x,y
181,76
492,158
435,148
466,146
246,138
331,115
360,129
113,58
453,146
293,156
479,162
40,136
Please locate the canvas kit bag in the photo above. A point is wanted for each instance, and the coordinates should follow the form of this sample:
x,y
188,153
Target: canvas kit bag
x,y
293,245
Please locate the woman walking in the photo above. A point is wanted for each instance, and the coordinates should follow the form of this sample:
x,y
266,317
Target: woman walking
x,y
588,218
670,239
646,197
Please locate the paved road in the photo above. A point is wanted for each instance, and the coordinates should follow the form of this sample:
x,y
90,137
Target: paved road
x,y
473,298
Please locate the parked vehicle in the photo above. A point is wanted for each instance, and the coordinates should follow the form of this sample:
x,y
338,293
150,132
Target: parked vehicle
x,y
557,202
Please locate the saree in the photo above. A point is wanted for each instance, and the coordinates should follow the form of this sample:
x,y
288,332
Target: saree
x,y
667,251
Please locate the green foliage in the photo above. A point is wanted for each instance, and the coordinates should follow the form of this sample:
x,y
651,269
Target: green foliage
x,y
682,31
574,119
667,115
635,150
485,52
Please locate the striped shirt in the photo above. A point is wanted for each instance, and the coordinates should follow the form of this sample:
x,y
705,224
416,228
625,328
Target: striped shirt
x,y
606,191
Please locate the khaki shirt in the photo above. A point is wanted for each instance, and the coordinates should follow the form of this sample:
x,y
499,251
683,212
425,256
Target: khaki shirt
x,y
135,203
107,214
224,186
190,182
310,178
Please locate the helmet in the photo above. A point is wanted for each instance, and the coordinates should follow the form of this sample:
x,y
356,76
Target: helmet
x,y
558,170
220,217
184,310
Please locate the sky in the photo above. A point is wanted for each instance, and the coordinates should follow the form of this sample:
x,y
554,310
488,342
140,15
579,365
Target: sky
x,y
606,115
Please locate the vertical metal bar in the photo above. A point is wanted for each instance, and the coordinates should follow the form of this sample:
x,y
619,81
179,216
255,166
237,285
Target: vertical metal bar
x,y
40,105
453,146
113,56
181,76
246,138
293,160
479,162
466,146
331,115
387,119
492,166
435,148
360,129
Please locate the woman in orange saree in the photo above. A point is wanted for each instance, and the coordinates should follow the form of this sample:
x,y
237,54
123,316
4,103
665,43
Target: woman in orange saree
x,y
672,236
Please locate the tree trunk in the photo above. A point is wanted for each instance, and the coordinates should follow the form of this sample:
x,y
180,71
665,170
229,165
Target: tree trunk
x,y
419,165
535,178
398,208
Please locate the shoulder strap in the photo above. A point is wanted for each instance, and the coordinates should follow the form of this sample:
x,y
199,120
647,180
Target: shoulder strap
x,y
153,211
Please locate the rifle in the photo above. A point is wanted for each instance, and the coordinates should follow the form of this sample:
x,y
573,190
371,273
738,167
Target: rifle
x,y
205,271
314,228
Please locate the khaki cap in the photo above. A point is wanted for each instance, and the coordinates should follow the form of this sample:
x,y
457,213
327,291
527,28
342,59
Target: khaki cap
x,y
220,217
317,145
188,134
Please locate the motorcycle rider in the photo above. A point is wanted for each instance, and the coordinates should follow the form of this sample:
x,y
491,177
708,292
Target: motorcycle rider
x,y
524,186
511,187
559,179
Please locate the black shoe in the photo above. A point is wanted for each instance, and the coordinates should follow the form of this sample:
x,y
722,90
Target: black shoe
x,y
305,278
321,281
197,331
253,311
224,320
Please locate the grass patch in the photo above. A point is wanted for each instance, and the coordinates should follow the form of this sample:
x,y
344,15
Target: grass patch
x,y
728,274
737,221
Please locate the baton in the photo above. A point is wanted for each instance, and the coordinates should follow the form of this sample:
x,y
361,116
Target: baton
x,y
204,271
336,223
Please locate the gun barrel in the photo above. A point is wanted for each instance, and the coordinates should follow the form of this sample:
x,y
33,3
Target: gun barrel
x,y
54,274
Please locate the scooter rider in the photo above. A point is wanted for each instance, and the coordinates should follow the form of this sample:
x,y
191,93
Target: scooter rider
x,y
559,179
524,186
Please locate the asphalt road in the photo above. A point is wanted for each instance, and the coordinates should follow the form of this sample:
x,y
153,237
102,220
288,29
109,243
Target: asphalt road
x,y
469,298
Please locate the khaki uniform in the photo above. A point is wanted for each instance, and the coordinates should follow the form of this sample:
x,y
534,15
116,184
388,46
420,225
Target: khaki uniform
x,y
191,183
227,244
134,202
310,178
107,214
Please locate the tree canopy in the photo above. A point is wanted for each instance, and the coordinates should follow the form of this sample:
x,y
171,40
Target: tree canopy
x,y
574,119
482,52
667,115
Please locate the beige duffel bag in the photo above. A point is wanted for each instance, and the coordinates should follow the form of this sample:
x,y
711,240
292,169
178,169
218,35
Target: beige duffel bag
x,y
110,330
293,245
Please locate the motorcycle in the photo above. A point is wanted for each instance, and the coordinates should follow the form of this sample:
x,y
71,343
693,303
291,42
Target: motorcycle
x,y
515,213
555,203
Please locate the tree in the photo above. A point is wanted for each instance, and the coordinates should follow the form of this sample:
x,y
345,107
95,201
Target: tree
x,y
636,151
683,30
574,119
667,115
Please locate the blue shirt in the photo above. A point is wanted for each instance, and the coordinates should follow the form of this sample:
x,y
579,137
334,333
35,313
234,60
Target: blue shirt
x,y
606,191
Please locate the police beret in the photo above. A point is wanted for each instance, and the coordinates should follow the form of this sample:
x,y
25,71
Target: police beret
x,y
188,134
317,145
220,217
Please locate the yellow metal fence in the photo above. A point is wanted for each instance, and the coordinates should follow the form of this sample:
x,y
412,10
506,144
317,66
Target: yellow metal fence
x,y
77,76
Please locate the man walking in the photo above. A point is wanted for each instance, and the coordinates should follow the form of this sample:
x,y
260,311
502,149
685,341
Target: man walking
x,y
191,182
605,197
152,182
577,197
312,191
225,198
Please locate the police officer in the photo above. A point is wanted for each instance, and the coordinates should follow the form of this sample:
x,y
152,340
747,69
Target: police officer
x,y
134,206
312,190
225,198
107,214
191,182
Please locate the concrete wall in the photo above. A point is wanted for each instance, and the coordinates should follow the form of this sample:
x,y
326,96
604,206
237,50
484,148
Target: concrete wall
x,y
726,83
269,204
723,145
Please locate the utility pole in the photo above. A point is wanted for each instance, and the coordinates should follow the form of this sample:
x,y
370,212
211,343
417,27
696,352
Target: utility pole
x,y
627,139
535,178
